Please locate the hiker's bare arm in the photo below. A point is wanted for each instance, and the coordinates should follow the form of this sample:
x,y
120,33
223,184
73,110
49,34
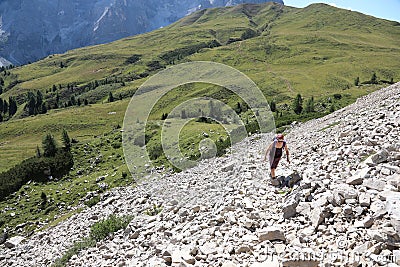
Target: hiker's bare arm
x,y
267,151
287,153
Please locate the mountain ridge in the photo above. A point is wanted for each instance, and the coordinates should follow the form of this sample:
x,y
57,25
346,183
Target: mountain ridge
x,y
32,31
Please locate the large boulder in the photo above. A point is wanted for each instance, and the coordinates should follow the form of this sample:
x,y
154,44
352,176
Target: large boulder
x,y
290,204
271,233
13,241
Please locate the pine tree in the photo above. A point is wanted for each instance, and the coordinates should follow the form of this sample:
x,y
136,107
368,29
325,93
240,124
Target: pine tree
x,y
183,114
5,106
66,140
298,104
310,105
44,199
39,102
43,109
72,100
31,105
49,146
272,106
12,108
1,89
1,105
110,97
38,153
238,108
357,81
1,117
1,81
211,106
374,78
85,102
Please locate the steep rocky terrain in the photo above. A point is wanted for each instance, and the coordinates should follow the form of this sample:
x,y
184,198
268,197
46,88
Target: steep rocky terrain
x,y
32,30
224,212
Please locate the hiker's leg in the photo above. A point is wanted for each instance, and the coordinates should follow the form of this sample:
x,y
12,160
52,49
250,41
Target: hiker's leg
x,y
273,172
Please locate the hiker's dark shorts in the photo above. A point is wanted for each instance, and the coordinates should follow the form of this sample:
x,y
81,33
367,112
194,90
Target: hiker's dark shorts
x,y
275,162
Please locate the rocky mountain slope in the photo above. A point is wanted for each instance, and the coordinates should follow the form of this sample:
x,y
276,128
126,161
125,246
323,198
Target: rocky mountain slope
x,y
224,212
32,30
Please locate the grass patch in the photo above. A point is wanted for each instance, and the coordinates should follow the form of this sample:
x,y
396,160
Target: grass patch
x,y
330,126
93,201
74,250
98,231
153,211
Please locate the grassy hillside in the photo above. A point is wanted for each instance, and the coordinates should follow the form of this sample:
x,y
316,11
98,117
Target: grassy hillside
x,y
318,51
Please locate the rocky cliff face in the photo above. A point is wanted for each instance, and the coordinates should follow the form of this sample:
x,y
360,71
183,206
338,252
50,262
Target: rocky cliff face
x,y
30,30
344,212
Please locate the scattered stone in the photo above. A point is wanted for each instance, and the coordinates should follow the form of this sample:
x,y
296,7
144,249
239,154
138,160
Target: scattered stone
x,y
358,177
374,184
364,199
290,205
13,241
271,233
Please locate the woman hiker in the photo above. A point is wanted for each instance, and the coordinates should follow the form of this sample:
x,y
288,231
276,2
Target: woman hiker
x,y
275,150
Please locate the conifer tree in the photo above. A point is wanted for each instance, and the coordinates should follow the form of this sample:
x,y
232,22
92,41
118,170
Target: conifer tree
x,y
310,105
272,106
38,153
110,97
31,105
298,104
357,81
374,79
66,140
49,146
39,102
12,108
5,106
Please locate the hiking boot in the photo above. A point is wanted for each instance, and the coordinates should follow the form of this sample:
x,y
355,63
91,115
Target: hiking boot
x,y
275,181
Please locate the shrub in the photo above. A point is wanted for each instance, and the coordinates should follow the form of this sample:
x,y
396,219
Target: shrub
x,y
133,59
93,201
36,169
103,228
155,151
337,96
78,246
153,210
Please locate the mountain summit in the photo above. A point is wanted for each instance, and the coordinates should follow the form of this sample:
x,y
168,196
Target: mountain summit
x,y
32,30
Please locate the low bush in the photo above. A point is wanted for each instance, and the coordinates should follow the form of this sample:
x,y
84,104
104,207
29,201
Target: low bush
x,y
103,228
38,169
